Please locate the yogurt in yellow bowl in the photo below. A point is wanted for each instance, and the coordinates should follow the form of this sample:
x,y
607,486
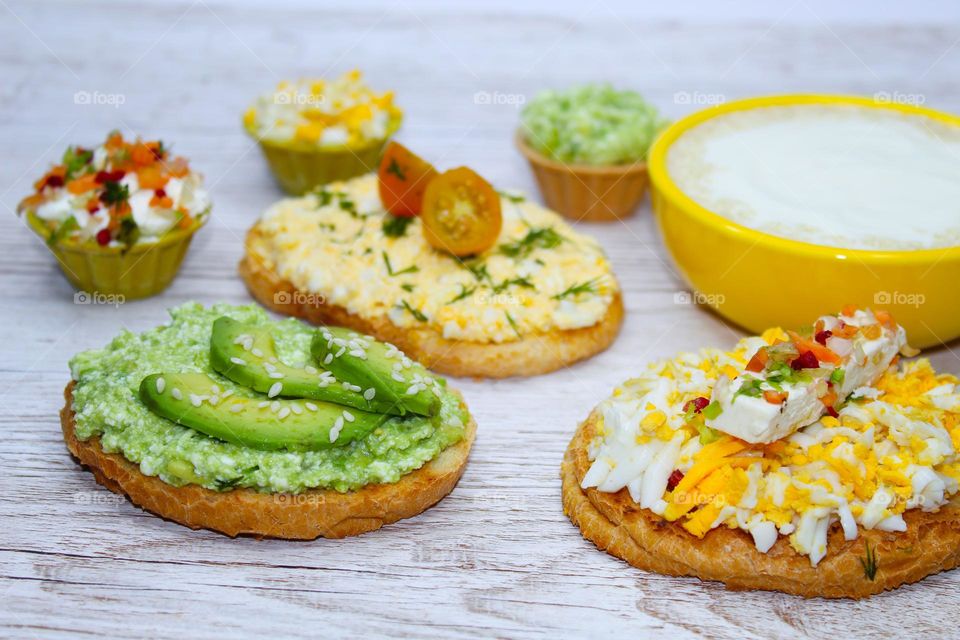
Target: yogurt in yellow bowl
x,y
775,206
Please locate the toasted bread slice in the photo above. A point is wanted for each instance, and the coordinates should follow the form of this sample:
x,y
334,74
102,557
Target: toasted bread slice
x,y
617,525
303,516
533,355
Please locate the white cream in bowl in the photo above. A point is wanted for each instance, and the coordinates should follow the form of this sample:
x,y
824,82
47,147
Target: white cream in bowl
x,y
837,175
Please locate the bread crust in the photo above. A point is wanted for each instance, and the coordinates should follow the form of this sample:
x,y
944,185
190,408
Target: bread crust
x,y
617,525
533,355
303,516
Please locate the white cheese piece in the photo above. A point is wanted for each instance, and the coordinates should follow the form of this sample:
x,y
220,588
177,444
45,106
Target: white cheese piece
x,y
151,220
757,421
57,209
869,359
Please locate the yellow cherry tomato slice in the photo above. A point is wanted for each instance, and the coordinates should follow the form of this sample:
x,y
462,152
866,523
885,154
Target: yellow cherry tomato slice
x,y
461,213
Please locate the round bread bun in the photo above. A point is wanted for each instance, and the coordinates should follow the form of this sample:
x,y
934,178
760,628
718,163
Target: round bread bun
x,y
533,355
303,516
617,525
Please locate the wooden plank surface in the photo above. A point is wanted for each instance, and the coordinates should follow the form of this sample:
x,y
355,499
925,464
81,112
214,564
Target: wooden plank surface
x,y
497,557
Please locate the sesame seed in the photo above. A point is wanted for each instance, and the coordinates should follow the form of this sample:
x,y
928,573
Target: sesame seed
x,y
310,405
263,404
369,393
296,409
215,390
257,353
195,400
284,413
310,370
275,389
161,384
413,390
176,394
328,359
227,393
274,406
339,353
276,375
335,432
348,416
359,353
236,408
323,384
396,376
238,361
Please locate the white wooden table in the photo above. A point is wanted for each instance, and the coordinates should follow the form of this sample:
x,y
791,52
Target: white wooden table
x,y
497,557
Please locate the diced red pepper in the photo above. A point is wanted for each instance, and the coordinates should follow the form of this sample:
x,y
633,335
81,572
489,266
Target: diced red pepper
x,y
52,181
822,336
697,404
805,360
674,479
110,176
103,237
832,412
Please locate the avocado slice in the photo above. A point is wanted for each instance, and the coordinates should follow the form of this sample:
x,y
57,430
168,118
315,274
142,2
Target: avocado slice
x,y
196,401
247,355
377,365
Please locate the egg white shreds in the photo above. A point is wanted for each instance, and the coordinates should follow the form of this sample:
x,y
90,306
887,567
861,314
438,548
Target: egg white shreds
x,y
340,244
890,448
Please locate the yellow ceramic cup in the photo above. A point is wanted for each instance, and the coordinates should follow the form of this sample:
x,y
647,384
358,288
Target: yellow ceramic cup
x,y
143,270
300,168
758,280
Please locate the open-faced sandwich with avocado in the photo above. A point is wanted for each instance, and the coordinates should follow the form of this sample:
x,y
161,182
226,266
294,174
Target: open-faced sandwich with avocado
x,y
815,463
226,420
467,280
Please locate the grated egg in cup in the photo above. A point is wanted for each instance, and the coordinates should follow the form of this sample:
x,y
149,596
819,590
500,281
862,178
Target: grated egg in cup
x,y
313,132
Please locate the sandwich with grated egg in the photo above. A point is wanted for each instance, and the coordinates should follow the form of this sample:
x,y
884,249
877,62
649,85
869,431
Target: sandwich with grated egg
x,y
468,281
816,463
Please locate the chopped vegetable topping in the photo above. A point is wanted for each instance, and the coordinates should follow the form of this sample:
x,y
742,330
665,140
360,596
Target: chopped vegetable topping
x,y
118,193
544,238
395,226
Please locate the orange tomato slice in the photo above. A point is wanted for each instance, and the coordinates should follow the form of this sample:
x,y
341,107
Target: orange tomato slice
x,y
403,177
461,213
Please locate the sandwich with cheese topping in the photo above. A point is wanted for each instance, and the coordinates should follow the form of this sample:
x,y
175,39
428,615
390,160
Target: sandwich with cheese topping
x,y
818,463
465,279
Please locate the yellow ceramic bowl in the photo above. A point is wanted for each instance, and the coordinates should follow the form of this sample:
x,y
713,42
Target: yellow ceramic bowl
x,y
143,270
299,168
758,280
